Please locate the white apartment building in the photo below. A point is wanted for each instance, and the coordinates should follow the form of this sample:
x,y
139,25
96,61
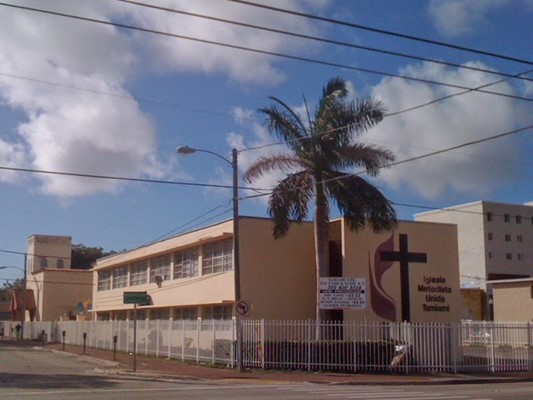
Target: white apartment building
x,y
495,240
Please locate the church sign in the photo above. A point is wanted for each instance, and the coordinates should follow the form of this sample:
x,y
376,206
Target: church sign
x,y
342,293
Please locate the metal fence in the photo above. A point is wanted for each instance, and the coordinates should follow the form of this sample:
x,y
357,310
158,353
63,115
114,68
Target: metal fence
x,y
306,345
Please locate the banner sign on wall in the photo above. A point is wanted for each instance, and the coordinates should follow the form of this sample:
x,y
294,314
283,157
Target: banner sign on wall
x,y
342,293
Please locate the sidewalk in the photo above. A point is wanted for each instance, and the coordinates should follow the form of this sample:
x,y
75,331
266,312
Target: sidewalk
x,y
162,368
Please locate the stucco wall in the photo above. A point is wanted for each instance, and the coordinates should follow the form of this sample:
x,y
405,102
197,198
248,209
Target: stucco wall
x,y
59,291
440,273
278,276
513,301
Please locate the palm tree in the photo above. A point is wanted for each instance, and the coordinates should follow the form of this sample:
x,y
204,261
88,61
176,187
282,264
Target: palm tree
x,y
323,151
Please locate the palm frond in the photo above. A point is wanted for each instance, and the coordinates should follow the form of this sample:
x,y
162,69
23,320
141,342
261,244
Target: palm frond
x,y
361,203
290,201
266,164
358,155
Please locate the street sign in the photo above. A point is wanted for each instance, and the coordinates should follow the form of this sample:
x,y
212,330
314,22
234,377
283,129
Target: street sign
x,y
140,298
342,293
242,308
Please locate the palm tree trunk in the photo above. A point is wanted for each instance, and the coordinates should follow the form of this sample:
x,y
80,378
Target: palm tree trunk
x,y
321,228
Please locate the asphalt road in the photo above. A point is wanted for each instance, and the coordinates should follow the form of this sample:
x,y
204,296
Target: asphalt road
x,y
33,373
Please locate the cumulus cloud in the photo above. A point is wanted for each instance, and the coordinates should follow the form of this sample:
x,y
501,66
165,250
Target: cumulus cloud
x,y
457,17
52,69
477,169
171,54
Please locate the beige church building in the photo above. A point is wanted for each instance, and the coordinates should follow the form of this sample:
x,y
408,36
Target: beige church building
x,y
55,290
410,274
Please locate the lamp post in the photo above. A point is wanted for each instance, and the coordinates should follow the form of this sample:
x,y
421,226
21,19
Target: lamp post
x,y
186,150
24,293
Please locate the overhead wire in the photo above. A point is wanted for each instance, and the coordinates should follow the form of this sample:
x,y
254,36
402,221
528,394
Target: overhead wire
x,y
385,32
264,52
192,184
415,158
323,40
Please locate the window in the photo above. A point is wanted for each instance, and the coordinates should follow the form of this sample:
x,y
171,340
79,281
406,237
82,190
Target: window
x,y
217,312
138,273
509,256
60,263
218,257
519,238
520,257
160,313
491,254
160,267
186,313
104,280
44,263
120,277
507,238
186,263
489,216
506,218
518,219
490,235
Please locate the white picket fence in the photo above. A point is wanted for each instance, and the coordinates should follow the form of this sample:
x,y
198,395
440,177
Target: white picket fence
x,y
306,345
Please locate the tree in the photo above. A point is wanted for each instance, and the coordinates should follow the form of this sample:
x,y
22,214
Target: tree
x,y
83,257
6,291
324,152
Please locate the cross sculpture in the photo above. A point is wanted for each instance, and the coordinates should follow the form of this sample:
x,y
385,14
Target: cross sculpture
x,y
404,257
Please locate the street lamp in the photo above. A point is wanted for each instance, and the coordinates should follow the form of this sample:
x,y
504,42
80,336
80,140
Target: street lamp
x,y
186,150
24,293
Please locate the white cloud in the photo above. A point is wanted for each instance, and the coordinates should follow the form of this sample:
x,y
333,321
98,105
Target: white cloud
x,y
457,17
65,129
172,54
76,130
477,169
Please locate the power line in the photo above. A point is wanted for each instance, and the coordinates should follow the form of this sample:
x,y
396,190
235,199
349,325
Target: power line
x,y
324,40
121,178
392,114
415,158
264,52
118,95
386,32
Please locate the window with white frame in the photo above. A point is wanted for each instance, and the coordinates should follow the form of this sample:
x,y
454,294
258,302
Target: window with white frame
x,y
160,266
217,257
217,312
186,263
104,280
120,277
138,273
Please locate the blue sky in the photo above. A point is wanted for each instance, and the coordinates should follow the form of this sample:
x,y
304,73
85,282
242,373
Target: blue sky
x,y
88,98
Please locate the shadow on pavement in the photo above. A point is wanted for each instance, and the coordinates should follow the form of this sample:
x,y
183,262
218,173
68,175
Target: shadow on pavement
x,y
39,381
